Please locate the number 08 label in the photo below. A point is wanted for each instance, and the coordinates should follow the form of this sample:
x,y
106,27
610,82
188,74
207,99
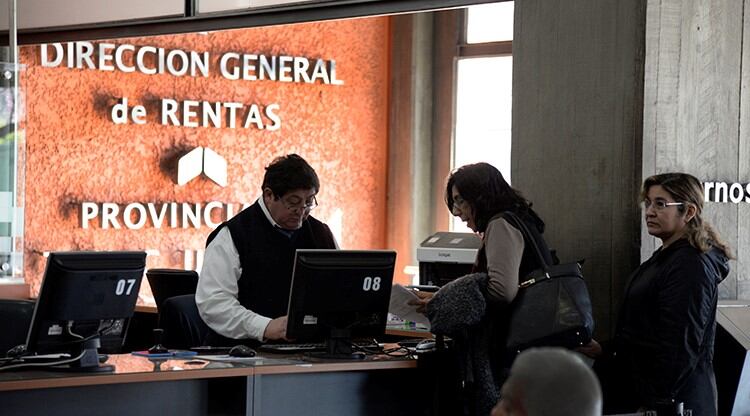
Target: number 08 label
x,y
371,284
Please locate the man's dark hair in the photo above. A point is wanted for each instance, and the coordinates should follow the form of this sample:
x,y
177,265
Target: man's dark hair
x,y
290,172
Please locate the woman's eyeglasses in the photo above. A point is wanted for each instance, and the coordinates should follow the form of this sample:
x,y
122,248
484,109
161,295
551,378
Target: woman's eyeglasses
x,y
659,204
459,203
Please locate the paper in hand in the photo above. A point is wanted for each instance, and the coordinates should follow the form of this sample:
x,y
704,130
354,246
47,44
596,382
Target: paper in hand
x,y
399,305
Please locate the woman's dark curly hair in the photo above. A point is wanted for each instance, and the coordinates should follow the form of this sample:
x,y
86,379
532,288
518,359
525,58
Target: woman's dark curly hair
x,y
483,187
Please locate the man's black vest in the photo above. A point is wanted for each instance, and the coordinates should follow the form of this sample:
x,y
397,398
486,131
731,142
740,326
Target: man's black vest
x,y
267,257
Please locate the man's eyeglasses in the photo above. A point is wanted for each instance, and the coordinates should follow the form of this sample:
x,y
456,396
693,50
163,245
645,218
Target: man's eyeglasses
x,y
300,205
659,204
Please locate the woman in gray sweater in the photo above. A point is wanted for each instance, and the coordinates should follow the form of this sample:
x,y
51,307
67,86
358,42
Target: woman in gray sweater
x,y
480,196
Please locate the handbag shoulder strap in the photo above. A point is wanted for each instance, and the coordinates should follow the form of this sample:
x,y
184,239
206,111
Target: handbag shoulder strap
x,y
527,236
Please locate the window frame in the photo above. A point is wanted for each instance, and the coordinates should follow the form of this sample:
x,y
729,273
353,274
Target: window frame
x,y
465,50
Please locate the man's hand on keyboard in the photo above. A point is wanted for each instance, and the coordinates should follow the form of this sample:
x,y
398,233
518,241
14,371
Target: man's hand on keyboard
x,y
276,329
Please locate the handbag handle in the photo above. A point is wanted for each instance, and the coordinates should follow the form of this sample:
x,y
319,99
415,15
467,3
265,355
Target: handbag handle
x,y
518,222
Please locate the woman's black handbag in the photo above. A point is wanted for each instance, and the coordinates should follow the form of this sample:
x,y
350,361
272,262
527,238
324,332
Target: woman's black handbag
x,y
552,307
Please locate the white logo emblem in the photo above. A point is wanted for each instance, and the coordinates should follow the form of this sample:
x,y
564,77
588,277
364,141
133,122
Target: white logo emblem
x,y
202,160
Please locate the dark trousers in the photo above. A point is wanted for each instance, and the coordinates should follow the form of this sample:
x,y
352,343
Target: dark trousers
x,y
622,395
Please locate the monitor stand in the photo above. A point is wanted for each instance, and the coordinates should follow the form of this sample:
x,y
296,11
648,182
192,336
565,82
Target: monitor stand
x,y
339,346
89,361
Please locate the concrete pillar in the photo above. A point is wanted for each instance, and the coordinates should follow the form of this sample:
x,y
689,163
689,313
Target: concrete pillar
x,y
577,117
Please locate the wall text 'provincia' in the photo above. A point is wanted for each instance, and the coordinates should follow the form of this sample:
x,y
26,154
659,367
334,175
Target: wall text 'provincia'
x,y
136,215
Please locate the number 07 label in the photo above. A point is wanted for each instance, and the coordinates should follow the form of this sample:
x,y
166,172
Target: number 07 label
x,y
124,287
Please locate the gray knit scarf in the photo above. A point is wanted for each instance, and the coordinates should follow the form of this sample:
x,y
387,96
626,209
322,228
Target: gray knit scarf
x,y
458,310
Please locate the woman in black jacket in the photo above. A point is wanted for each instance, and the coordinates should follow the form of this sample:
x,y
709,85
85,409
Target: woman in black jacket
x,y
665,331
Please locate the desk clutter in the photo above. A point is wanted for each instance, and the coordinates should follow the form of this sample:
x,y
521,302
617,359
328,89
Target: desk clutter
x,y
167,354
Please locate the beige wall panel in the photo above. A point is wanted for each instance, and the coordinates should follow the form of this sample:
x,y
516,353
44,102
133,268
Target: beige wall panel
x,y
692,108
45,13
401,148
443,112
209,6
742,250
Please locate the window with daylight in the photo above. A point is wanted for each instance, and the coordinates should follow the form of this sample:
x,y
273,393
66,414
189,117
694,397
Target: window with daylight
x,y
484,78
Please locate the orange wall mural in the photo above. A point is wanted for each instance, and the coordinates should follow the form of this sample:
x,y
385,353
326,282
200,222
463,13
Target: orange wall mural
x,y
81,163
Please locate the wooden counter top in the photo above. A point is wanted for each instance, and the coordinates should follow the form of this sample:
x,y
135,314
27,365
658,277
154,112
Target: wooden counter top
x,y
135,369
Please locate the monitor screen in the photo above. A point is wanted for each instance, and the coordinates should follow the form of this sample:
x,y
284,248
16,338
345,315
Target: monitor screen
x,y
84,296
339,294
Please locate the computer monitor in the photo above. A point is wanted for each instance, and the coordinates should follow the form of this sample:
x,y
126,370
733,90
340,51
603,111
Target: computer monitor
x,y
339,294
84,296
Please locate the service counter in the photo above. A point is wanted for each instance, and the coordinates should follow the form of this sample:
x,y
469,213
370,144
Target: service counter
x,y
264,385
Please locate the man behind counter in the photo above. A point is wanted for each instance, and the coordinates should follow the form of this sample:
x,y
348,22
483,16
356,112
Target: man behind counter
x,y
243,288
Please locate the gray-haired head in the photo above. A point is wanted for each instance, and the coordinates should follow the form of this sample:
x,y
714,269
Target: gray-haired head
x,y
551,381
